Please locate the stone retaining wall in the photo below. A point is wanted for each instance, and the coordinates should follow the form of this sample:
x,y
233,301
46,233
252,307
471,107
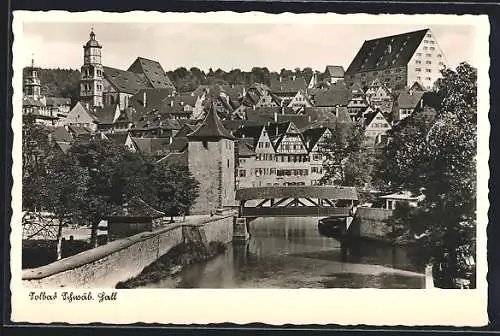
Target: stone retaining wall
x,y
105,266
372,224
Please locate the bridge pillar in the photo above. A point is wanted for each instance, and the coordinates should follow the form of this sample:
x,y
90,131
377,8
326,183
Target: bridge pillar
x,y
240,231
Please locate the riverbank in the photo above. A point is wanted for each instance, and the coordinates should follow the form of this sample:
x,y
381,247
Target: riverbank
x,y
173,262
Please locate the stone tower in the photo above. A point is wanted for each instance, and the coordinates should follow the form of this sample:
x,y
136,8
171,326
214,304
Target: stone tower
x,y
91,74
32,83
211,160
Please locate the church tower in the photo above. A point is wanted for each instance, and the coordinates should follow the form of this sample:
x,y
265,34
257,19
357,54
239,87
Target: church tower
x,y
211,160
91,74
32,83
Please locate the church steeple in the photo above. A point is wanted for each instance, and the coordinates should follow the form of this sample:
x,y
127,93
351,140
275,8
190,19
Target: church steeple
x,y
91,73
32,82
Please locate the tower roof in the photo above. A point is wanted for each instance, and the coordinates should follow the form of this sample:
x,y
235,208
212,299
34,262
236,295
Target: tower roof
x,y
211,127
92,42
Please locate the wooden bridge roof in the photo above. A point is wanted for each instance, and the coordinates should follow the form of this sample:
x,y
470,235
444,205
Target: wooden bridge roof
x,y
324,192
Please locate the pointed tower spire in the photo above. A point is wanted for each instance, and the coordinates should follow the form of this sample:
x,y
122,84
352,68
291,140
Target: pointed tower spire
x,y
211,127
32,60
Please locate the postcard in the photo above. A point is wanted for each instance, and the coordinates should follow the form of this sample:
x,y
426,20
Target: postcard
x,y
193,168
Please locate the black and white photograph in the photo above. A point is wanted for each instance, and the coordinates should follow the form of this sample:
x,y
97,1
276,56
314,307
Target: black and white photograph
x,y
327,156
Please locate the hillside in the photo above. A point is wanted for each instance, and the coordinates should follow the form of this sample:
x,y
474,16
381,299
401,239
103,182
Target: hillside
x,y
58,82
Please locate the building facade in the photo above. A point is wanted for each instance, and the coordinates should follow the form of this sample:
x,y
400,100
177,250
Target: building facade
x,y
398,61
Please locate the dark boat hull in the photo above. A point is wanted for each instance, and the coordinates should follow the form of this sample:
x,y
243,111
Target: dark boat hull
x,y
333,228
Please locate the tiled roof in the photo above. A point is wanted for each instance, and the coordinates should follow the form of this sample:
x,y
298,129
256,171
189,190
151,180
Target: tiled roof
x,y
153,71
250,132
376,55
233,125
211,127
335,71
313,135
57,101
185,130
178,144
180,159
153,96
234,91
60,134
245,149
64,146
288,84
106,114
409,100
300,121
332,97
117,138
278,128
124,81
136,207
79,130
417,87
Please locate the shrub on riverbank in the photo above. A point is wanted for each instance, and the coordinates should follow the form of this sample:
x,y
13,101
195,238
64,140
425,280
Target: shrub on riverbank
x,y
172,262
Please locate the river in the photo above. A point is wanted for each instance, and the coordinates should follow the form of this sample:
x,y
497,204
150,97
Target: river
x,y
291,253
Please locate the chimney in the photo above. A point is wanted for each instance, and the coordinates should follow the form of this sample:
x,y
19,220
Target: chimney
x,y
337,111
253,107
294,77
422,102
144,99
275,116
169,140
172,103
280,79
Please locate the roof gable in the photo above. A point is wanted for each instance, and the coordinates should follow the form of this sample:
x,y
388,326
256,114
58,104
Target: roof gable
x,y
124,81
335,71
152,71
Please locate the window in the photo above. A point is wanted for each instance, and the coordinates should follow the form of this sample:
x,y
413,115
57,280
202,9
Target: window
x,y
267,144
439,55
419,54
261,144
428,70
418,69
425,41
419,78
428,35
428,55
432,48
418,61
427,78
425,48
432,42
243,173
428,62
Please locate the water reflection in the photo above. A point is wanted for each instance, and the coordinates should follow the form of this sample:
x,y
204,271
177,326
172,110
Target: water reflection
x,y
290,253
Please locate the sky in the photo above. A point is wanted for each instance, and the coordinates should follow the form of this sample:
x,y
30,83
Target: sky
x,y
225,45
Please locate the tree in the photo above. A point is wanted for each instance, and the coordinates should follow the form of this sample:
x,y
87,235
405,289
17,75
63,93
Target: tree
x,y
175,189
36,150
66,187
436,154
347,161
114,174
